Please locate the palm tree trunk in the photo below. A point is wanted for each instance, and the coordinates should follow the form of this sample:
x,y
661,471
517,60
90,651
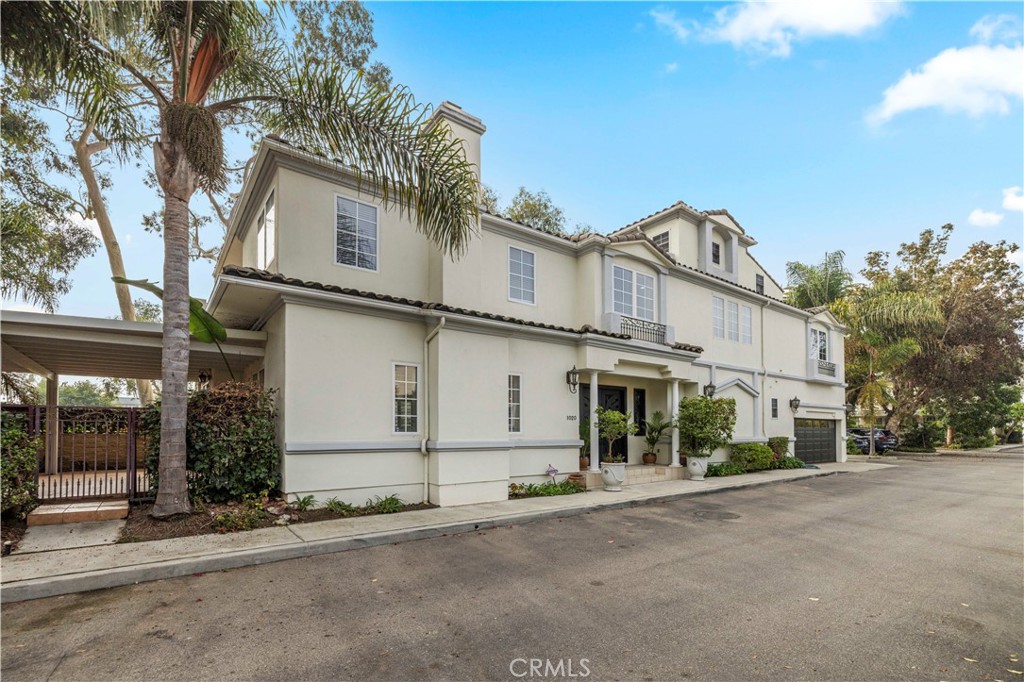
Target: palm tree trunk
x,y
176,180
84,152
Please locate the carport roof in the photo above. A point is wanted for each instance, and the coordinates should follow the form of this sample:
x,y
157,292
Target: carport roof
x,y
51,345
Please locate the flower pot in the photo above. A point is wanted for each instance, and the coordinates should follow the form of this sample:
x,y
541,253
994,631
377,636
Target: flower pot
x,y
584,463
650,458
613,474
697,466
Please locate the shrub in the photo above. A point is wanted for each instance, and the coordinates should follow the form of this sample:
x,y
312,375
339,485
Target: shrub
x,y
231,445
779,445
384,505
248,516
612,425
18,467
546,489
338,507
851,446
788,463
304,503
705,424
751,456
724,469
925,434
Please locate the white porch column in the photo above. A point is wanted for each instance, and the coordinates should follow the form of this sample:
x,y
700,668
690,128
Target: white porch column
x,y
595,439
52,424
673,411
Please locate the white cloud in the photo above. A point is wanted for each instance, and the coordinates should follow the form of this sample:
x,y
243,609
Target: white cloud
x,y
666,19
672,67
1016,257
1012,199
997,28
127,238
773,27
88,223
981,218
975,80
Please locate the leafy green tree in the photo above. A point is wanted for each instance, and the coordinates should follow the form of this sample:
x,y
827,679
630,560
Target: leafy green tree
x,y
85,393
195,65
489,200
338,32
821,284
705,424
536,209
613,425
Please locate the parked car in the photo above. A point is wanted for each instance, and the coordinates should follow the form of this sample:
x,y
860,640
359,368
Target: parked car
x,y
888,439
860,438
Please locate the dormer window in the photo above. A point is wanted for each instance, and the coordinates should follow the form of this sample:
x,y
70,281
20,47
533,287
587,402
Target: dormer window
x,y
716,253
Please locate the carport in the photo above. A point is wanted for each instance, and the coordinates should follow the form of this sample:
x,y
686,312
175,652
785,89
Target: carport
x,y
53,346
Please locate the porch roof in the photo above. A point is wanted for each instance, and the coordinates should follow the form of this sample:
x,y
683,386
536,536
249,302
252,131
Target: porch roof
x,y
50,345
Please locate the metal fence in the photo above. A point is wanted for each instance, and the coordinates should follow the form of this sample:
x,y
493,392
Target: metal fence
x,y
90,452
643,330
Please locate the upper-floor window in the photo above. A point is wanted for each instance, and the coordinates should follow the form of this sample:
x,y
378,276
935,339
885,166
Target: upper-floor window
x,y
521,276
716,253
819,344
266,234
633,293
759,283
406,382
730,320
355,234
661,241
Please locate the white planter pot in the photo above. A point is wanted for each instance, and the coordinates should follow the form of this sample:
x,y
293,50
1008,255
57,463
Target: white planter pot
x,y
614,475
697,466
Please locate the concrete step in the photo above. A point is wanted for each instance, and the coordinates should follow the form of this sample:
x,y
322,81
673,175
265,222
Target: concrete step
x,y
78,512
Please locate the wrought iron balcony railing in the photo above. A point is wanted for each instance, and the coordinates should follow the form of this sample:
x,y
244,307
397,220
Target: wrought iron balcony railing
x,y
826,368
643,330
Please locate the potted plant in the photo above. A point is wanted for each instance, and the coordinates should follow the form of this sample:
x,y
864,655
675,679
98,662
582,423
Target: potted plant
x,y
612,425
585,448
705,424
656,426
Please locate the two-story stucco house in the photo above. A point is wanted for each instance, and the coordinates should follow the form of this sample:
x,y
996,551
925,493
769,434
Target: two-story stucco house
x,y
401,371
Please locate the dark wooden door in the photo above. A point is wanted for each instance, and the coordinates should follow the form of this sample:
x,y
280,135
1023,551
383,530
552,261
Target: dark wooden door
x,y
610,398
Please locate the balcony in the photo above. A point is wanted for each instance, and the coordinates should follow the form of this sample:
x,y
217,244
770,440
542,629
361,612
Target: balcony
x,y
827,368
642,330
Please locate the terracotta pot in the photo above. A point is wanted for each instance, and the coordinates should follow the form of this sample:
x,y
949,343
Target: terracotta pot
x,y
584,463
682,459
650,458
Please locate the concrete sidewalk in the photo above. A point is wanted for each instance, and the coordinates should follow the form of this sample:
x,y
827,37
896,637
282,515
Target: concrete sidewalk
x,y
46,574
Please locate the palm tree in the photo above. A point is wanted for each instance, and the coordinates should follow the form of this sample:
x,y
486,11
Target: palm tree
x,y
178,71
809,286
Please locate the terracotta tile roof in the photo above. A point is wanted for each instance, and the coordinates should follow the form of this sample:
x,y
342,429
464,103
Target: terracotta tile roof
x,y
278,278
725,212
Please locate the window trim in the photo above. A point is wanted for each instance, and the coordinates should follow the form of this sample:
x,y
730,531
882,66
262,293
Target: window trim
x,y
394,399
717,332
508,278
334,234
820,333
716,247
634,293
775,408
519,388
660,235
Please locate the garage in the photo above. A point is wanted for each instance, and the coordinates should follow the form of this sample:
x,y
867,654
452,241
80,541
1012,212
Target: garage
x,y
815,440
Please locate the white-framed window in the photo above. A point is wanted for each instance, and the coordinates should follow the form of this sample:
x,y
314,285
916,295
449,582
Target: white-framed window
x,y
819,344
718,317
521,275
745,324
759,283
632,293
716,253
730,320
661,241
406,401
775,408
355,233
266,234
515,403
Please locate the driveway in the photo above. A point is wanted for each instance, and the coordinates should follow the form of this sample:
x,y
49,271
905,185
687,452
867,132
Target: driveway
x,y
910,573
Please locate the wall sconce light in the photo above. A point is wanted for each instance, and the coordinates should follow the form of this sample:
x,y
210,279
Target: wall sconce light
x,y
709,391
794,404
572,377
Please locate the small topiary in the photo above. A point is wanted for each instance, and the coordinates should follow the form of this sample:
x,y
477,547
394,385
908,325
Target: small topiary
x,y
751,456
18,467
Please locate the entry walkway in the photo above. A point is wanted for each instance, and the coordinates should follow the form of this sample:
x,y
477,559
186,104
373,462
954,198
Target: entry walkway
x,y
45,574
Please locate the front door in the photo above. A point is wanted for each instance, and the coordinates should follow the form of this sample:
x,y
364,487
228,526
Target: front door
x,y
610,398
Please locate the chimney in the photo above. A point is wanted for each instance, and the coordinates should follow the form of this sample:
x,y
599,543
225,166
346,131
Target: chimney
x,y
468,128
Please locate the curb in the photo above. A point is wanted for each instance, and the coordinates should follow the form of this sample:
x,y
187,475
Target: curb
x,y
39,588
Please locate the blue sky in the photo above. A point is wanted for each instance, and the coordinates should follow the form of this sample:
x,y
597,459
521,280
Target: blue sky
x,y
851,127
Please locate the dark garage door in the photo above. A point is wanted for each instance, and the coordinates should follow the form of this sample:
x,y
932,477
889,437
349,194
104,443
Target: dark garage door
x,y
816,440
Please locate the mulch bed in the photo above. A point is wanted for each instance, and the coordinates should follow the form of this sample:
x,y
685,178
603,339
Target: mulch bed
x,y
12,531
141,527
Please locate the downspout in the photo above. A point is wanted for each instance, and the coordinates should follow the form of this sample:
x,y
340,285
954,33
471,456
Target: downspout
x,y
426,407
764,372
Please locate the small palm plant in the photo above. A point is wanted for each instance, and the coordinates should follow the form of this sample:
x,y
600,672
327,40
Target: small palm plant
x,y
656,427
612,425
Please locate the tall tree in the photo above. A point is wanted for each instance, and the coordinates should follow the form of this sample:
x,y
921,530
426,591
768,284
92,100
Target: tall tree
x,y
820,284
536,209
217,59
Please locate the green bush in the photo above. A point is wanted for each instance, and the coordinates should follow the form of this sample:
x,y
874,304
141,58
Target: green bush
x,y
851,446
751,456
338,507
231,444
19,467
926,434
788,463
384,505
723,469
546,489
779,445
248,516
705,424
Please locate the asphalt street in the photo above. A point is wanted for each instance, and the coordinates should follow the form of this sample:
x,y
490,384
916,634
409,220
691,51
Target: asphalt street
x,y
913,573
